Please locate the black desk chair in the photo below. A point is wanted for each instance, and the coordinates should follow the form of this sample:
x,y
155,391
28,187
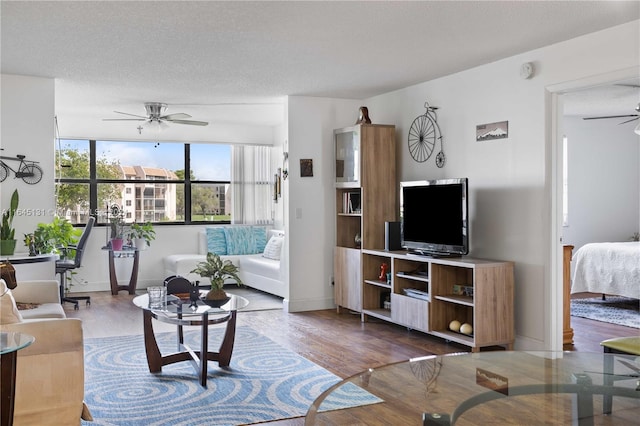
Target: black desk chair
x,y
65,265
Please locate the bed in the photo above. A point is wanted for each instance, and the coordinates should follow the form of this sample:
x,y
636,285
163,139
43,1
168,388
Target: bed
x,y
607,268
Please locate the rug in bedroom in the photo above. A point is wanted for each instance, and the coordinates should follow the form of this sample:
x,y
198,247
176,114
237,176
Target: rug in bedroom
x,y
264,382
614,309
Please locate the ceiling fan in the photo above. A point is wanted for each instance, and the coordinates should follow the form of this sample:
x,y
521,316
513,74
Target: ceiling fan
x,y
155,111
635,116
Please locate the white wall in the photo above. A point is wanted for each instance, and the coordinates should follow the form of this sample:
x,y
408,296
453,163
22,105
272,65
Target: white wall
x,y
27,123
603,181
509,179
311,210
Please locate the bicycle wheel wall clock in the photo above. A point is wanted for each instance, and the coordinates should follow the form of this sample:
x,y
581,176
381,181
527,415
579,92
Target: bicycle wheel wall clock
x,y
424,133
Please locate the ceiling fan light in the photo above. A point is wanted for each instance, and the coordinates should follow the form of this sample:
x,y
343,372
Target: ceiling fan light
x,y
154,126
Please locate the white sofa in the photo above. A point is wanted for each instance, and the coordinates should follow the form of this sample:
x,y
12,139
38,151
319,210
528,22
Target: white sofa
x,y
255,270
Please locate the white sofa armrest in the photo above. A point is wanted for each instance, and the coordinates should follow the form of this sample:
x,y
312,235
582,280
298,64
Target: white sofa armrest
x,y
38,291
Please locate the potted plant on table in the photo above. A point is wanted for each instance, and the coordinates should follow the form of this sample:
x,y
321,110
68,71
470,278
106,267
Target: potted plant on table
x,y
217,270
7,231
141,235
117,225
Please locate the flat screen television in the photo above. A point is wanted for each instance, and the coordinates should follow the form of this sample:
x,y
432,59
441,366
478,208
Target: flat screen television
x,y
433,214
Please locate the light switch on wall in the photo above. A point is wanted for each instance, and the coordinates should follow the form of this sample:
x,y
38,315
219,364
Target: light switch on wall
x,y
298,212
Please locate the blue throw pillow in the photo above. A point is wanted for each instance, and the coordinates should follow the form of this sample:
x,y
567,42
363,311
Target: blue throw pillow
x,y
260,237
216,241
240,240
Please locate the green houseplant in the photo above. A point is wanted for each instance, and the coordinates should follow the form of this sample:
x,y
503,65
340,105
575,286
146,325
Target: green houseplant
x,y
7,231
54,236
117,225
141,234
217,270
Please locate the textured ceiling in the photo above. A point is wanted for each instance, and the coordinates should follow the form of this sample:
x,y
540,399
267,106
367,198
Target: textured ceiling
x,y
199,56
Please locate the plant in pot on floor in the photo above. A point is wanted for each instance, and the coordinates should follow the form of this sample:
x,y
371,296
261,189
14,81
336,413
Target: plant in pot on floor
x,y
218,271
7,231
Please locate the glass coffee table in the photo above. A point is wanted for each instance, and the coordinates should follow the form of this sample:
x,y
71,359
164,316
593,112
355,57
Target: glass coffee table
x,y
499,387
186,313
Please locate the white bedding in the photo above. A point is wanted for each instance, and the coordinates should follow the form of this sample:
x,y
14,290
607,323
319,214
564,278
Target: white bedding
x,y
609,268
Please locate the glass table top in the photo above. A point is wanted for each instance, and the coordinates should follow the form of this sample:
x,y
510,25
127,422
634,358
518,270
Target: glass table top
x,y
498,387
11,341
175,305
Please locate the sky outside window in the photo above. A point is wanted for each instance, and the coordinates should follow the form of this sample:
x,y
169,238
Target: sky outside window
x,y
208,161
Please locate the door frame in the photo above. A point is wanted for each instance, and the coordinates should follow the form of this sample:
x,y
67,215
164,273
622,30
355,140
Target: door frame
x,y
554,94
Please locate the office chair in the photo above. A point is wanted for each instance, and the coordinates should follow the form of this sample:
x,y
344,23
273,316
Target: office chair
x,y
65,265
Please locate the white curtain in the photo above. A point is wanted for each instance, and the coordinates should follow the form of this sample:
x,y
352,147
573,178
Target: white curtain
x,y
251,185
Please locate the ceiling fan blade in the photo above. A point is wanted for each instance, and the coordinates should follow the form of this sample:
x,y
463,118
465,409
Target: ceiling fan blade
x,y
629,121
124,119
609,116
133,115
191,122
176,116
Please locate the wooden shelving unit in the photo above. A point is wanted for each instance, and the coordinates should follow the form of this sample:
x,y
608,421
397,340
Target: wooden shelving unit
x,y
366,196
489,310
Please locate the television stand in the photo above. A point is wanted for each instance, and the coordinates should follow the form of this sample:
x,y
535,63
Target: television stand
x,y
479,292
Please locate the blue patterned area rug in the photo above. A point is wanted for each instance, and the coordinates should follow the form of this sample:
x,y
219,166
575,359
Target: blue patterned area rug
x,y
264,382
614,309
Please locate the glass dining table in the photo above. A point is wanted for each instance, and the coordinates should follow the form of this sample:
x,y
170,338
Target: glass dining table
x,y
495,387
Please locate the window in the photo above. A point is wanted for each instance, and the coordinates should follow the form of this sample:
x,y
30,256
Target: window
x,y
149,181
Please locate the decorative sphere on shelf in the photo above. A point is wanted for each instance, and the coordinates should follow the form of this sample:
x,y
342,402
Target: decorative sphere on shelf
x,y
466,328
454,326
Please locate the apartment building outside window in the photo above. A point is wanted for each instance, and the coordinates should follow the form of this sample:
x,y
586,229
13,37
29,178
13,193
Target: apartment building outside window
x,y
176,183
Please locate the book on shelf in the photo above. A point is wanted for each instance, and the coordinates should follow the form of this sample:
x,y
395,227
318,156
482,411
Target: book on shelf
x,y
351,202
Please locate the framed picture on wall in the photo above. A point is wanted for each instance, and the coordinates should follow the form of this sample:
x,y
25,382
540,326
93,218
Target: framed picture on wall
x,y
491,131
306,167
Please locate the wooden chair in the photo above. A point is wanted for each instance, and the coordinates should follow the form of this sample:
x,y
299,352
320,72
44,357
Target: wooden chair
x,y
618,345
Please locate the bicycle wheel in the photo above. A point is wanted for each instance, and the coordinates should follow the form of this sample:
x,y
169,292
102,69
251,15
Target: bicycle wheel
x,y
31,173
422,138
4,172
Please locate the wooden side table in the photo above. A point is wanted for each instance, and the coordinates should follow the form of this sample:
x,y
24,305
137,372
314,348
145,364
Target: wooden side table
x,y
133,280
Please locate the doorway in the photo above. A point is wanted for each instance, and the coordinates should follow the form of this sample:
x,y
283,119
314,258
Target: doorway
x,y
570,104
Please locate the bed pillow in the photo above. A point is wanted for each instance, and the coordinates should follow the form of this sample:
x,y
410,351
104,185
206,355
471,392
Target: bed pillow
x,y
216,241
9,313
273,248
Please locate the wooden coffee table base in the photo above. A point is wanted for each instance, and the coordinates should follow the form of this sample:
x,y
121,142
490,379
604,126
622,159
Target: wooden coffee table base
x,y
199,358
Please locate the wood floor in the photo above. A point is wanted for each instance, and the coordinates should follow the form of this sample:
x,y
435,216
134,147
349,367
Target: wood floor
x,y
338,342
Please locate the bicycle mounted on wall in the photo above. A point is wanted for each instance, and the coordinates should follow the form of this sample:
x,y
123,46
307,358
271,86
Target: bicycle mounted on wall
x,y
27,170
423,135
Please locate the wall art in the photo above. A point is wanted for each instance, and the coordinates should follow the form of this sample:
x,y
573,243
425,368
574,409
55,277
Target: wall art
x,y
491,131
306,167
